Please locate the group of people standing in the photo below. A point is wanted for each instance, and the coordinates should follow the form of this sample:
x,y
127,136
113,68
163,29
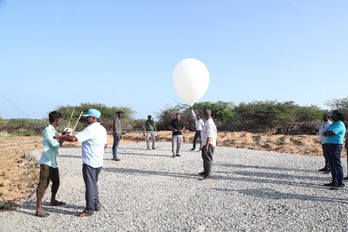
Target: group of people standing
x,y
94,143
332,136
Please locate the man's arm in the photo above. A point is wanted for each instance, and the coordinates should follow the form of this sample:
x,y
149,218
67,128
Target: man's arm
x,y
114,127
69,138
206,147
329,133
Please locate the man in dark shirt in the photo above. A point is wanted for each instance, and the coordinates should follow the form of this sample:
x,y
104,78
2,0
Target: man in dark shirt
x,y
178,127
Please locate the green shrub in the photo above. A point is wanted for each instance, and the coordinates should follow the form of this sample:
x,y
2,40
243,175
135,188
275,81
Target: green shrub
x,y
24,132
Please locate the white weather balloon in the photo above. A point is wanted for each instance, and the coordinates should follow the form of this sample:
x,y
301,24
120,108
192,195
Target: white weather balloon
x,y
191,80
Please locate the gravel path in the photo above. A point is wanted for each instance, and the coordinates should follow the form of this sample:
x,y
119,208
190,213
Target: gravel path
x,y
151,191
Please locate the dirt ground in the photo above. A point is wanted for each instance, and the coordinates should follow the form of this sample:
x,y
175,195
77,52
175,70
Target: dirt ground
x,y
19,174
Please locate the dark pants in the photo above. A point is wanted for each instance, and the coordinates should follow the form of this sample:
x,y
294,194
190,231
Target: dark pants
x,y
47,174
325,154
90,177
208,159
195,137
334,152
117,139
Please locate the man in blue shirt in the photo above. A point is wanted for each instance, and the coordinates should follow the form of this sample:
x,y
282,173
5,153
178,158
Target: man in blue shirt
x,y
334,139
48,164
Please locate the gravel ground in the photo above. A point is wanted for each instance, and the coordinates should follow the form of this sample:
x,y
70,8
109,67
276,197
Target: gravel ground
x,y
148,190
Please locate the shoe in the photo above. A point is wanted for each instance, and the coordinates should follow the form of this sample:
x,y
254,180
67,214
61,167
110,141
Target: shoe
x,y
337,188
192,149
153,148
83,214
178,155
96,209
117,159
173,156
330,184
324,169
345,178
41,213
55,203
206,177
202,174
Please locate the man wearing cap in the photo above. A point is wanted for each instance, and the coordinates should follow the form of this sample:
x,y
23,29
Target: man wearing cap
x,y
334,139
94,142
149,131
209,133
116,132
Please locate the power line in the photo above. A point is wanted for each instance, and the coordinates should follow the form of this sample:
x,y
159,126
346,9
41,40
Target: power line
x,y
14,105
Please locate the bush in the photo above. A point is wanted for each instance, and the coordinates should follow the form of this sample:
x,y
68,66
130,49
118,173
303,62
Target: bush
x,y
299,128
23,132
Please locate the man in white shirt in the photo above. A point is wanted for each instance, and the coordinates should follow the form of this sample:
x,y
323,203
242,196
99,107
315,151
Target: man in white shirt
x,y
94,142
209,133
322,129
199,126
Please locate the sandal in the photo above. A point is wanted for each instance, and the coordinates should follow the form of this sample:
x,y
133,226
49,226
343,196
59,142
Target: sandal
x,y
41,213
83,214
55,203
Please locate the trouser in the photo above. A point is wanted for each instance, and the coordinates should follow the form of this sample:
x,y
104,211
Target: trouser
x,y
176,144
153,137
90,177
195,137
47,174
117,139
208,159
325,154
334,152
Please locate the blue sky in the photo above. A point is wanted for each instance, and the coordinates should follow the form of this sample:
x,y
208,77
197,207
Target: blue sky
x,y
123,53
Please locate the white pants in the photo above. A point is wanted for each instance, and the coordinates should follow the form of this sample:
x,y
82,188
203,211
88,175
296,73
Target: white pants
x,y
153,137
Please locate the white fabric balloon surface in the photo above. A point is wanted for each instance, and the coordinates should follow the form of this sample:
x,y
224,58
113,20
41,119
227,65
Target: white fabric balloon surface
x,y
191,80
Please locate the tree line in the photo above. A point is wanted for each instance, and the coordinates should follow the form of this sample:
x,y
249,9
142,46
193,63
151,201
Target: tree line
x,y
257,117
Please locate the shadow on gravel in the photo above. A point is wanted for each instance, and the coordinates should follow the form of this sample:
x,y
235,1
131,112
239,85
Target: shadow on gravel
x,y
255,178
143,154
70,156
261,167
279,175
148,172
276,195
30,208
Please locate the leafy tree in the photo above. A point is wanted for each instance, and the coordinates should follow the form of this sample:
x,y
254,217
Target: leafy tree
x,y
221,111
107,115
308,113
339,104
169,113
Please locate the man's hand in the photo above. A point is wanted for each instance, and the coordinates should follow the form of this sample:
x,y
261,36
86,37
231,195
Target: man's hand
x,y
57,136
